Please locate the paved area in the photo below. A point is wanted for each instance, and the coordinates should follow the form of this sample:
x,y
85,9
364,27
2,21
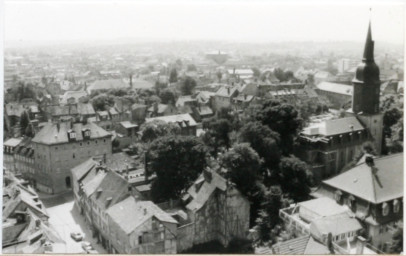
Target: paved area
x,y
65,218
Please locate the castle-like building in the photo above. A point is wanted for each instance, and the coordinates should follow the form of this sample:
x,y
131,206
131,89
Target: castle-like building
x,y
330,145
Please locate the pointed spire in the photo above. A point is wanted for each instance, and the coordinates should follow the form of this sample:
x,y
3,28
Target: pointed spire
x,y
369,47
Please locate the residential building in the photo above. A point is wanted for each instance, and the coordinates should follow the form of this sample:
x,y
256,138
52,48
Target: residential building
x,y
216,211
158,109
185,121
62,145
373,190
9,147
224,97
141,227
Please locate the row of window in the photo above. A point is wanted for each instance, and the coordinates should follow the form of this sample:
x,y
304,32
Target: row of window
x,y
80,144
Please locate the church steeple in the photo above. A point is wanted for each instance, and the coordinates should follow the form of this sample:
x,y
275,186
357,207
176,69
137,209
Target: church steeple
x,y
366,82
369,47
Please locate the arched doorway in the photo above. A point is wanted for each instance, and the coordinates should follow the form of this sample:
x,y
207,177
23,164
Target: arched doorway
x,y
67,182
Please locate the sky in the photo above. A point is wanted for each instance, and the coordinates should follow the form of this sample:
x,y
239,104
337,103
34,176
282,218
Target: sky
x,y
257,21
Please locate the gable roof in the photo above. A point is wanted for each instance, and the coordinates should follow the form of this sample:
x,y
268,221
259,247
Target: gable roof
x,y
130,213
226,91
334,127
292,246
112,186
90,187
50,134
79,171
202,194
335,225
85,109
181,118
13,142
385,185
336,88
72,94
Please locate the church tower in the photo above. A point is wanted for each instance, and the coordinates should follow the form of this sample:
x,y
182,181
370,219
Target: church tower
x,y
365,100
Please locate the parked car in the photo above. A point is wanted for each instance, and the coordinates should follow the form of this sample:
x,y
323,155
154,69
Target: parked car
x,y
92,251
77,236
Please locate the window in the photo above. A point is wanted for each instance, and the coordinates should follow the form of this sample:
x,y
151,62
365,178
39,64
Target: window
x,y
385,209
73,155
337,196
396,206
80,144
139,239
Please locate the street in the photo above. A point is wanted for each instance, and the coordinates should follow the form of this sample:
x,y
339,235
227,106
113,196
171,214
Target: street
x,y
65,218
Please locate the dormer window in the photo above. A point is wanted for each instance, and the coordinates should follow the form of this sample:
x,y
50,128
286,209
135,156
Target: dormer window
x,y
385,209
338,195
351,202
71,135
396,206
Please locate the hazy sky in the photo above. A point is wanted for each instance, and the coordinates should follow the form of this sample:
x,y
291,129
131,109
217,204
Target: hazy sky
x,y
226,20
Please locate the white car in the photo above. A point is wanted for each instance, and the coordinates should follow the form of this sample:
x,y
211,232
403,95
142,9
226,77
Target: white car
x,y
76,236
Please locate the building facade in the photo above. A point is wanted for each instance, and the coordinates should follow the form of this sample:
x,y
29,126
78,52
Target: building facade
x,y
60,146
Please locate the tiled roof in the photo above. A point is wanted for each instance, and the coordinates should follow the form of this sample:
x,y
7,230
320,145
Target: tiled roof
x,y
13,142
72,94
50,134
360,181
293,246
183,99
204,110
226,91
119,162
336,88
174,119
108,84
64,110
128,124
112,186
90,187
82,169
334,127
85,109
129,213
201,195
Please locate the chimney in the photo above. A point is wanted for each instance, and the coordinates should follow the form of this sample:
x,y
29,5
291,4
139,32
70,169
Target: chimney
x,y
360,245
58,125
207,175
369,160
108,201
330,243
98,192
146,166
104,158
228,90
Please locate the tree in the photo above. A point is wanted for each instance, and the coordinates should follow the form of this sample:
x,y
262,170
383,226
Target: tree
x,y
264,141
167,96
188,158
294,178
24,122
391,117
173,76
242,165
191,67
397,241
217,134
256,71
187,86
153,130
219,75
282,118
102,101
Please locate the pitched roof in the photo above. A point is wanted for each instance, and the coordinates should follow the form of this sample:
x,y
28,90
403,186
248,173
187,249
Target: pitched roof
x,y
128,124
119,162
82,169
226,91
85,109
336,88
72,94
181,118
385,185
300,245
108,84
141,84
50,134
13,142
113,186
204,110
206,188
334,127
183,99
129,213
14,109
90,187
